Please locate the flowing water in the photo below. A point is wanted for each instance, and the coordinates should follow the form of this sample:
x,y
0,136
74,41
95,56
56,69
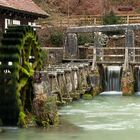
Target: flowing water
x,y
138,79
112,78
111,117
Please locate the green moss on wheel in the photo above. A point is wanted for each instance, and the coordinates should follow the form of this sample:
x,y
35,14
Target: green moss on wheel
x,y
18,43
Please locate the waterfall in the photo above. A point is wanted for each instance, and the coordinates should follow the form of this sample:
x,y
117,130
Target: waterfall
x,y
113,78
138,79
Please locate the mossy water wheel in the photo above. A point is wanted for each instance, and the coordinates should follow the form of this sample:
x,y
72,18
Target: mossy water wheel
x,y
19,57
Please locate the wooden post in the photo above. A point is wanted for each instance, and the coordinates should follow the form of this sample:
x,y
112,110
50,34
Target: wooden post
x,y
94,59
95,20
68,13
96,45
127,19
102,54
129,41
126,60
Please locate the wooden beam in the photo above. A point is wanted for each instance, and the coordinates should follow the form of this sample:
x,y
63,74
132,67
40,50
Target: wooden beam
x,y
103,28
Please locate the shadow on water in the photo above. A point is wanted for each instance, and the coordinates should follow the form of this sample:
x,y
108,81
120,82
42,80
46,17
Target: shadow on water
x,y
64,131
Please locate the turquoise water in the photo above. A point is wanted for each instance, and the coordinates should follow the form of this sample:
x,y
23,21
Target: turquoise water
x,y
103,118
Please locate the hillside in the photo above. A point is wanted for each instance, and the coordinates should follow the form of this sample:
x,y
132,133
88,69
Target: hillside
x,y
58,10
88,7
76,7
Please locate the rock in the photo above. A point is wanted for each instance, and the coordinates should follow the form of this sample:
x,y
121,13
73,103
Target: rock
x,y
87,97
2,130
94,82
127,83
45,110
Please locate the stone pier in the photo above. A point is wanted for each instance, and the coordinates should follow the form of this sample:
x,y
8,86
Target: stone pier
x,y
67,82
127,82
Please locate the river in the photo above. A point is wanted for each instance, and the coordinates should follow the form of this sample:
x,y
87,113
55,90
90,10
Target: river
x,y
103,118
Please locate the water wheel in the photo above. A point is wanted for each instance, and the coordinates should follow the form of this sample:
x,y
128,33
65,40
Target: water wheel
x,y
19,57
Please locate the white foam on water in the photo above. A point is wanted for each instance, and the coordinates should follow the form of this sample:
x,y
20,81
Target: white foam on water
x,y
8,128
137,93
103,126
111,93
73,112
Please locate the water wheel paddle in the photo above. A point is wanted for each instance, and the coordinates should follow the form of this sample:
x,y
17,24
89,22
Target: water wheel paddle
x,y
19,57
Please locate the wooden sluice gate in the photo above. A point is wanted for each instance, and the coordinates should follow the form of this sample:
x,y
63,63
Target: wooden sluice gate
x,y
113,45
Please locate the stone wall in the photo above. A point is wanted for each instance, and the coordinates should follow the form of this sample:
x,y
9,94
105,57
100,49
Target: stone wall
x,y
55,55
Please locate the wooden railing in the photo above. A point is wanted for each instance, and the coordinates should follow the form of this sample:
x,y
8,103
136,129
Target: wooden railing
x,y
115,55
79,20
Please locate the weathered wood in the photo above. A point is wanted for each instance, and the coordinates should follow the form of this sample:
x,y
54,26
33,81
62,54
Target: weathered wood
x,y
109,48
94,59
103,28
75,20
52,48
110,62
117,48
111,55
101,62
126,60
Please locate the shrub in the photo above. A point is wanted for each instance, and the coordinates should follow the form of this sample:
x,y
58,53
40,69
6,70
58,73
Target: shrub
x,y
85,38
110,19
44,58
56,39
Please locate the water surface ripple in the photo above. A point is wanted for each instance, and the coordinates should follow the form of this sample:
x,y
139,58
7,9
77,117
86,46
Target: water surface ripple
x,y
103,118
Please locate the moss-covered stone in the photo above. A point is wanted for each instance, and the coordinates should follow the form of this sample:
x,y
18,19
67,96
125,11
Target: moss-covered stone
x,y
94,82
21,120
96,90
59,103
75,96
127,83
67,100
87,97
45,110
2,130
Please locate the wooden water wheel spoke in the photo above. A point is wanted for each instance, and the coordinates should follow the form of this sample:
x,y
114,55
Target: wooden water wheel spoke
x,y
19,57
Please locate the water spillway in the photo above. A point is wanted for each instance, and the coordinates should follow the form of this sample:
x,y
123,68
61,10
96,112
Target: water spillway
x,y
112,78
137,79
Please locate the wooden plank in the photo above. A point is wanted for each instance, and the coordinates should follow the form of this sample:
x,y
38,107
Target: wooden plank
x,y
110,62
52,48
134,63
75,20
117,48
111,55
103,28
77,60
107,48
98,62
112,48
